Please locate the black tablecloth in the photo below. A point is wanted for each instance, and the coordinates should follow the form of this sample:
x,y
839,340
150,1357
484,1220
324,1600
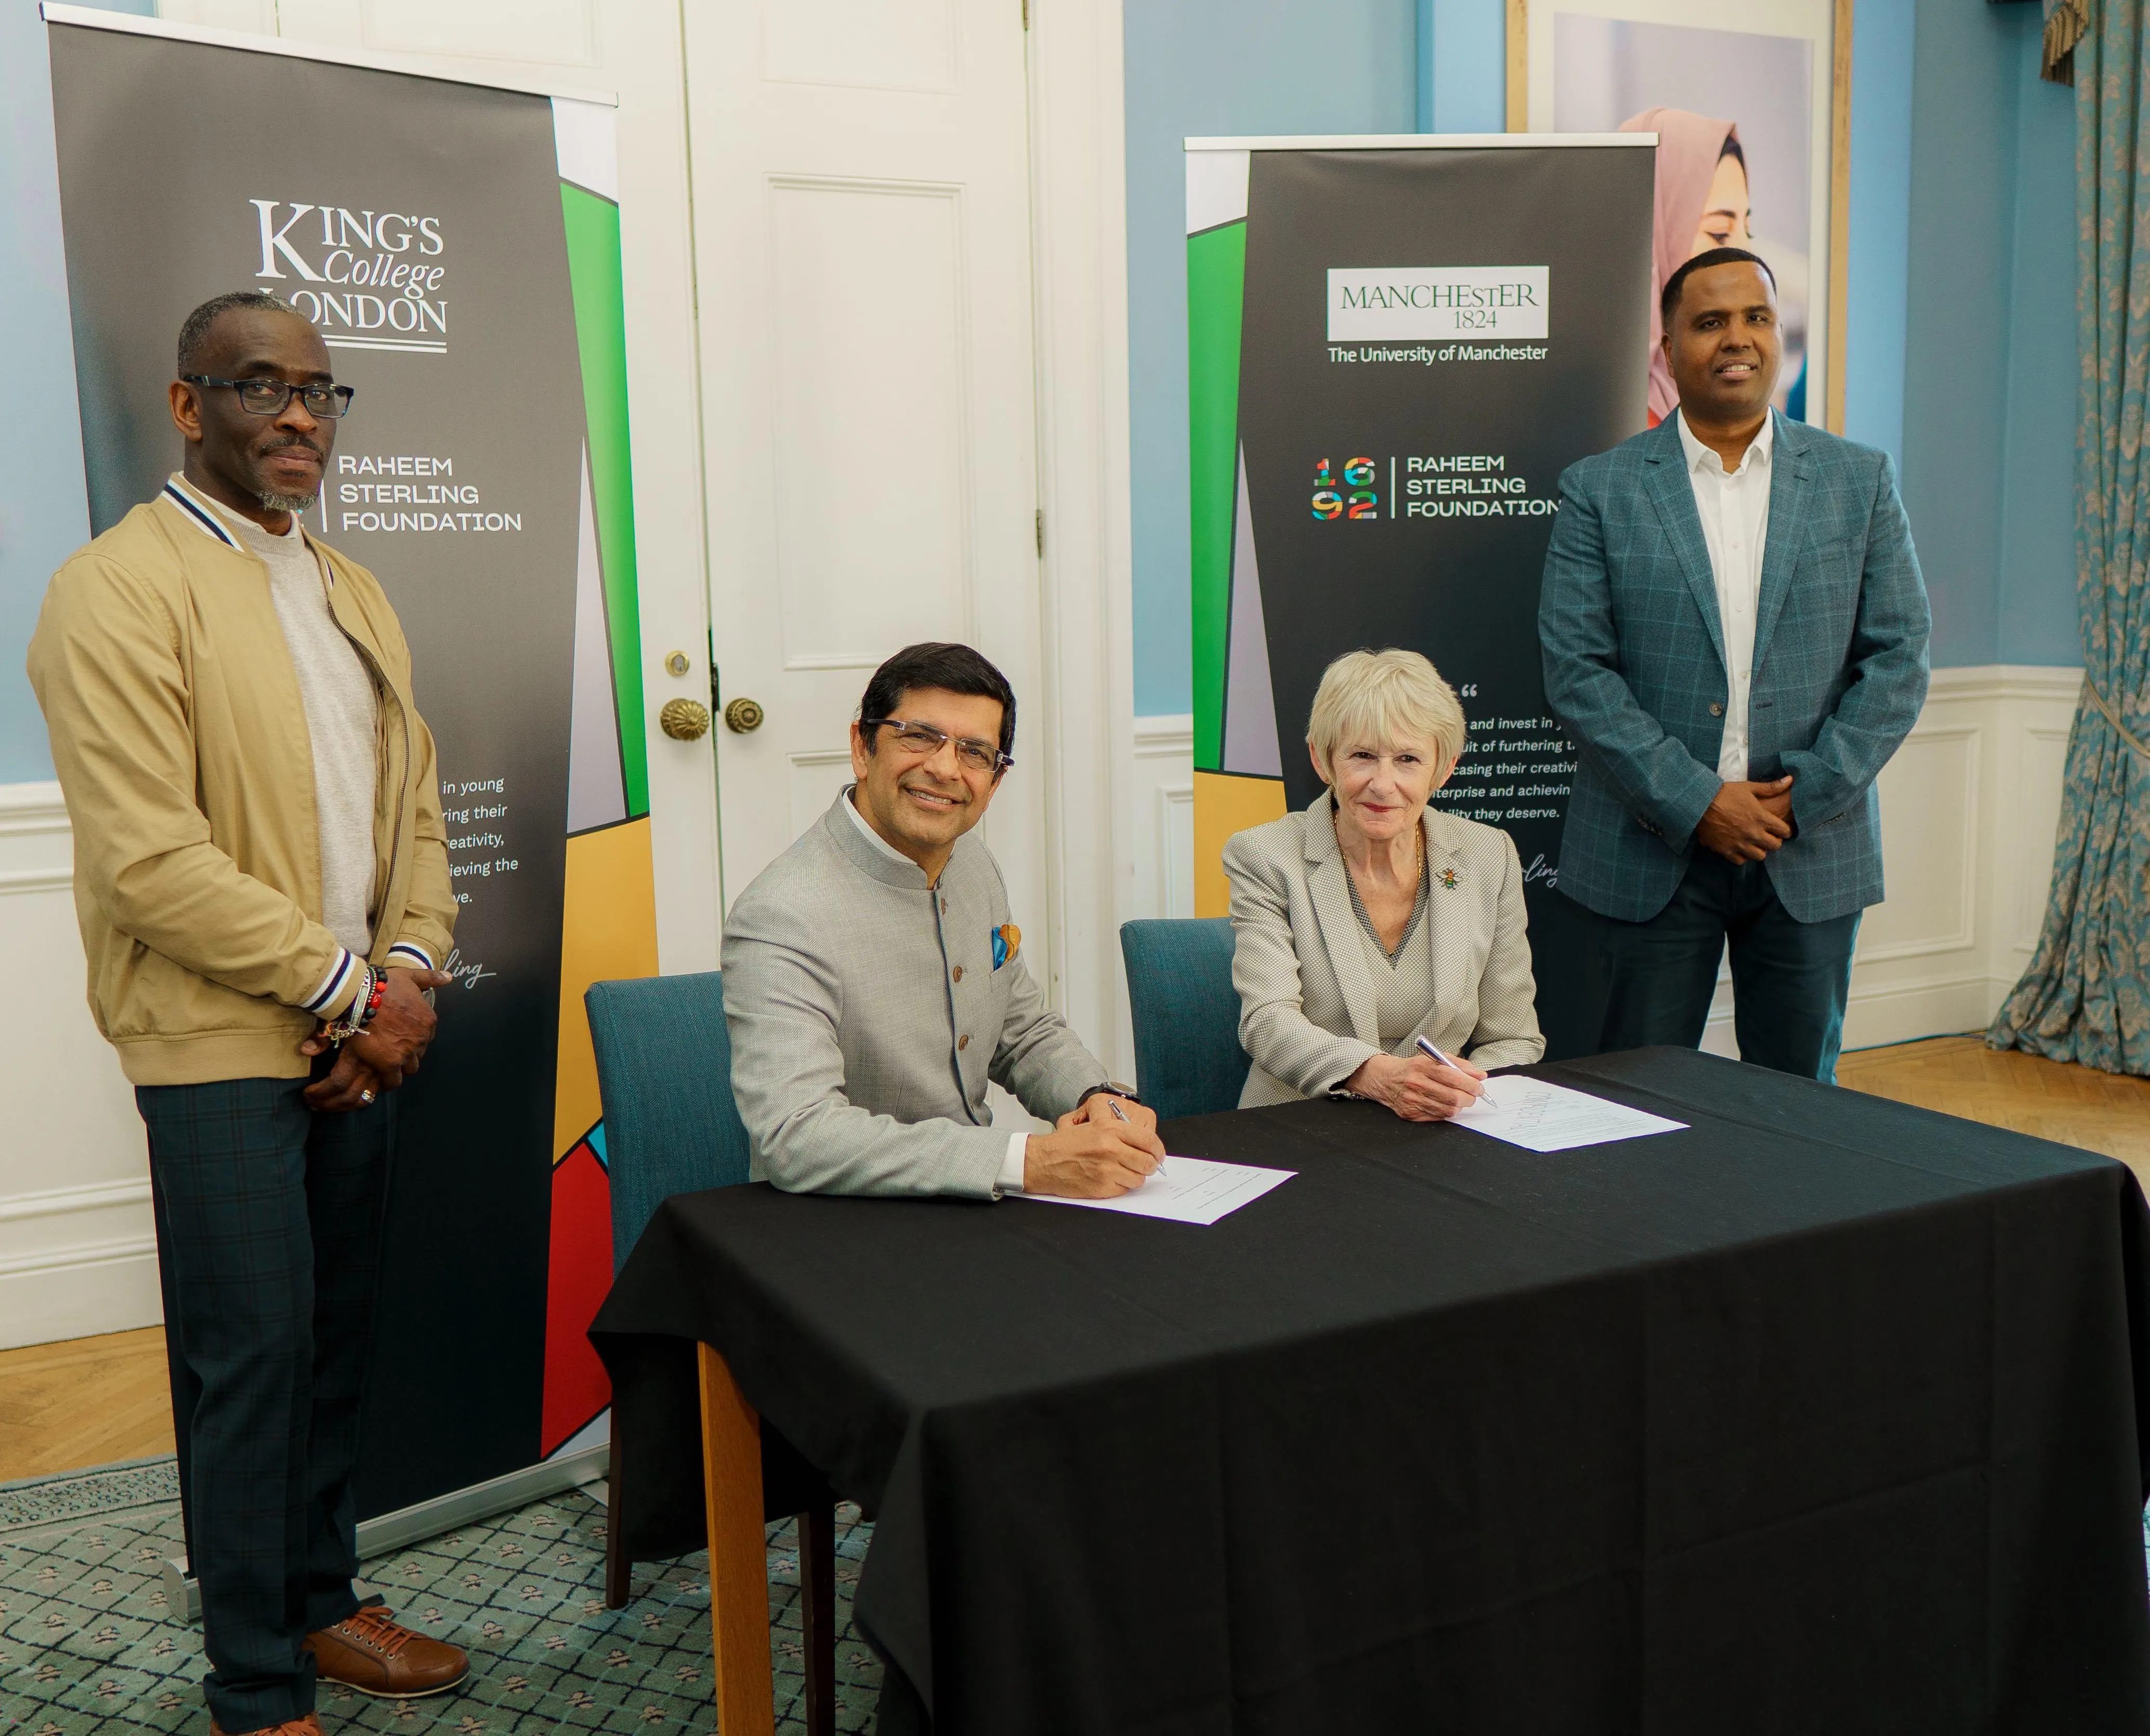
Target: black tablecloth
x,y
1824,1415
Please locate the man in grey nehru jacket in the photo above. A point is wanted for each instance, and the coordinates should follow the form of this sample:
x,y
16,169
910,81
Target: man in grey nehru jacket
x,y
875,983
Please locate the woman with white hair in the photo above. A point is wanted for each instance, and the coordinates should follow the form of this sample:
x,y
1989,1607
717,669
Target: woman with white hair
x,y
1370,920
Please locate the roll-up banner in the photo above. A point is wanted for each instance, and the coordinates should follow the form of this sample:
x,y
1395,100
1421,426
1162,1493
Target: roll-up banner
x,y
1394,347
458,245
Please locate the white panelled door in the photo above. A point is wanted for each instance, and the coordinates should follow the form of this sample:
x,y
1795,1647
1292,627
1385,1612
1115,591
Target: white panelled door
x,y
862,252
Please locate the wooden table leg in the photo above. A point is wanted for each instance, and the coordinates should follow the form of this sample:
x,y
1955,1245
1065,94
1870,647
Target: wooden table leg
x,y
739,1556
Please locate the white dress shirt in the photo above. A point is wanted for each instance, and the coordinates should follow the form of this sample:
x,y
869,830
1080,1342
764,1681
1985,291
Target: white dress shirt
x,y
1734,509
1009,1179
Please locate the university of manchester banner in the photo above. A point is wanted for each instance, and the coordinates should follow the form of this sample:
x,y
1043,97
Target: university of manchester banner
x,y
458,247
1394,346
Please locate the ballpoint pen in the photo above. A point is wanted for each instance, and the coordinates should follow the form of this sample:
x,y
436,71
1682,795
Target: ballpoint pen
x,y
1120,1114
1428,1046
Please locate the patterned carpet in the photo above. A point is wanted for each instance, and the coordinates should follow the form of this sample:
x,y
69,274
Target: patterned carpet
x,y
87,1646
87,1649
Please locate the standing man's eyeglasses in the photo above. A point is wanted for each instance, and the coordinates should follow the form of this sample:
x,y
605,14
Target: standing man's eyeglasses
x,y
268,397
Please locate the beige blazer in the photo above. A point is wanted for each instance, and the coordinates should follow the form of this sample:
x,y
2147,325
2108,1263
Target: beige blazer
x,y
1306,995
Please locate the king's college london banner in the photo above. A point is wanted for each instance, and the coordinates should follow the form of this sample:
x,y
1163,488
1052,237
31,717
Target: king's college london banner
x,y
1394,347
458,247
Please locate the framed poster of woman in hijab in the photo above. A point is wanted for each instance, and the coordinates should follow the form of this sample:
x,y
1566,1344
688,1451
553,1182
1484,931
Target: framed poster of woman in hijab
x,y
1752,107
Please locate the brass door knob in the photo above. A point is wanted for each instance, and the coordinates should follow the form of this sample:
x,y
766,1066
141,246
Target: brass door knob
x,y
684,719
743,716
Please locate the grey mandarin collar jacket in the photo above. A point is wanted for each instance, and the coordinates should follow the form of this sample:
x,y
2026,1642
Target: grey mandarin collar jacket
x,y
1306,990
867,1018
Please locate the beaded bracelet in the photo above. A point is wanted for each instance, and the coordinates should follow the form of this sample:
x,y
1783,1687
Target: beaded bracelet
x,y
363,1006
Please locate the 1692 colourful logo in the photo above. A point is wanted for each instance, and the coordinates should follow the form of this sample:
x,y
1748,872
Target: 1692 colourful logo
x,y
1354,499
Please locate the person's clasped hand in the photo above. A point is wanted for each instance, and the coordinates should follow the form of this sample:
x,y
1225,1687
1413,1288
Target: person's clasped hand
x,y
1092,1153
386,1053
1417,1086
1745,821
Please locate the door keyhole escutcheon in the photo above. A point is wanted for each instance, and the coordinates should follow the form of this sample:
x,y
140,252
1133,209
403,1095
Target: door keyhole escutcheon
x,y
743,717
684,719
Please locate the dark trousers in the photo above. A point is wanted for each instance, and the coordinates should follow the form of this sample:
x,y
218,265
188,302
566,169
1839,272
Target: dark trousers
x,y
1790,978
268,1234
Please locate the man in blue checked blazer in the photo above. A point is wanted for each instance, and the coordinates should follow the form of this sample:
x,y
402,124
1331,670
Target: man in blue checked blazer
x,y
1734,633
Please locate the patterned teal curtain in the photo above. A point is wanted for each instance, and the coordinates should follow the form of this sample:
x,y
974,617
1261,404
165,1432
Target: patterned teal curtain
x,y
2086,994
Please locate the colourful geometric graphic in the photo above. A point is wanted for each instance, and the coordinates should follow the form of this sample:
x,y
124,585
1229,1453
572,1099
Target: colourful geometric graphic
x,y
1216,275
576,1390
1238,781
609,920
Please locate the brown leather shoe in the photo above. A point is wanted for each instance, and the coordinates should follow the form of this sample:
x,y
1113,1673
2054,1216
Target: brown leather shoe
x,y
307,1726
370,1652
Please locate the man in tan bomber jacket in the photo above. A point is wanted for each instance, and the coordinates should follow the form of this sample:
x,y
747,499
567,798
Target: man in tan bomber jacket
x,y
261,877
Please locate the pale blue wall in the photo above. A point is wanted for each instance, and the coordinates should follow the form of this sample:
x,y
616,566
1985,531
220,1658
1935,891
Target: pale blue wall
x,y
1989,370
44,511
1960,323
1883,43
1470,69
1990,374
2036,616
1198,67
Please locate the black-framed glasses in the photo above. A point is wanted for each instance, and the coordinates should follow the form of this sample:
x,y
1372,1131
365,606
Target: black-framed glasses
x,y
922,741
268,397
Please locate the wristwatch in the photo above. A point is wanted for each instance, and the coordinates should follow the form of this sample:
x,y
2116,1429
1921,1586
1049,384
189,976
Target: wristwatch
x,y
1111,1086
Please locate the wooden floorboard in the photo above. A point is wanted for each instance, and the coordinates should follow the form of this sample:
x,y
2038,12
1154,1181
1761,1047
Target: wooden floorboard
x,y
2055,1100
95,1400
83,1401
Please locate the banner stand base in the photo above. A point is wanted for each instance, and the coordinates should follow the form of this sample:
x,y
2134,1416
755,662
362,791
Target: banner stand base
x,y
410,1525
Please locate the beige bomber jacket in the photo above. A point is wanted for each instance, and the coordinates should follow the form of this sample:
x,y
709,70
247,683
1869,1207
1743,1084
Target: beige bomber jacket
x,y
183,751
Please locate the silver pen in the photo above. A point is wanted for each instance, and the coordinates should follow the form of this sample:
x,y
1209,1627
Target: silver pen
x,y
1120,1114
1428,1046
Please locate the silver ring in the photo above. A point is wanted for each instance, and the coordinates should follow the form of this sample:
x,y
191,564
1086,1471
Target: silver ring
x,y
366,1097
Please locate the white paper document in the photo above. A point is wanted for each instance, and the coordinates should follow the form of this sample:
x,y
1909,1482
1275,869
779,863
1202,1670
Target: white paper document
x,y
1186,1190
1542,1117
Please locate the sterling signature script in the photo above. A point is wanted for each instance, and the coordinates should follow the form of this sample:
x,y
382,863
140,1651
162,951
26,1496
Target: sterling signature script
x,y
468,975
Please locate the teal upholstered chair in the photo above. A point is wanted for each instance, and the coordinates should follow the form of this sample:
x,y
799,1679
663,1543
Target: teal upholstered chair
x,y
664,1075
1188,1057
664,1079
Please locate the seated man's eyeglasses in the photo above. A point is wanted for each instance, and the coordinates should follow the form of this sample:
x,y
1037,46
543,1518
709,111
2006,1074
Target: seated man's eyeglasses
x,y
268,397
921,741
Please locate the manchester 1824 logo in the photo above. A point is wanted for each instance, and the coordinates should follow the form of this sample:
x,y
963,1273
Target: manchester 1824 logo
x,y
1355,499
369,279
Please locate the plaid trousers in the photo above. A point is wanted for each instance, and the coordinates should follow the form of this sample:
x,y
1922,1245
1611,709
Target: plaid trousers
x,y
269,1237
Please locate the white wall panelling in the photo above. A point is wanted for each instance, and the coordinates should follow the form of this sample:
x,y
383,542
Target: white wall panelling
x,y
1969,809
77,1249
1163,874
1159,879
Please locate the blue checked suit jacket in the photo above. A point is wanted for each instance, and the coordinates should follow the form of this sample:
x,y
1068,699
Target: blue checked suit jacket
x,y
1634,667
